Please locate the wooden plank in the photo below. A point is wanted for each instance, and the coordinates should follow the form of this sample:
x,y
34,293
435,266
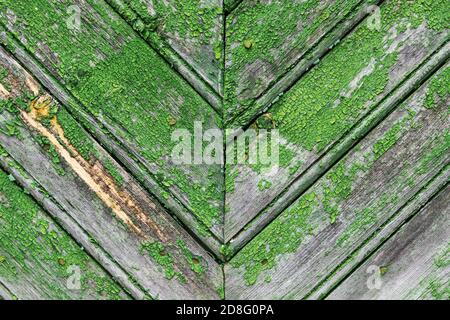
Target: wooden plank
x,y
230,5
266,39
188,33
413,264
349,206
315,117
38,259
92,189
134,112
5,293
71,226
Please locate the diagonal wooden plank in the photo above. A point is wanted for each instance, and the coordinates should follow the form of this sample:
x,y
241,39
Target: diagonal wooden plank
x,y
230,5
265,40
139,110
93,190
413,264
71,226
351,204
316,115
189,34
38,258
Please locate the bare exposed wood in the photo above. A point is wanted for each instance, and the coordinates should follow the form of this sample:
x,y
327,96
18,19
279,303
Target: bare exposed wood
x,y
73,228
5,293
115,55
92,92
413,264
349,206
312,139
39,260
188,34
91,189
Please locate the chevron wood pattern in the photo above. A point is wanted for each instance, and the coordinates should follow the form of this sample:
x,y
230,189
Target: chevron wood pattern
x,y
93,204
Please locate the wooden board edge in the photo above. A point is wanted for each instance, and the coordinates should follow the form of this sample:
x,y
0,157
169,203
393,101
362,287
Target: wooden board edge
x,y
67,223
338,150
393,225
212,241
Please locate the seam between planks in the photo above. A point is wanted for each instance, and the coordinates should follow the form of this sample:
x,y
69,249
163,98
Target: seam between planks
x,y
5,292
177,210
341,147
437,184
318,51
196,81
60,217
224,139
233,7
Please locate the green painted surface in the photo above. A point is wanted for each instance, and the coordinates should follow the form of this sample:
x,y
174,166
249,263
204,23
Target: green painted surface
x,y
32,245
190,26
263,32
300,220
107,77
337,93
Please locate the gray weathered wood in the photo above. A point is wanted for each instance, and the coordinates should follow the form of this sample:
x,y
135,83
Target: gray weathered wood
x,y
286,40
299,124
114,54
120,216
188,34
5,293
413,264
354,202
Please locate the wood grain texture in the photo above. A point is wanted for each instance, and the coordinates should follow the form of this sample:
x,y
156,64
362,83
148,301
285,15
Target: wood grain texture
x,y
265,40
38,259
230,5
321,109
92,189
350,205
413,264
189,34
91,93
137,110
5,294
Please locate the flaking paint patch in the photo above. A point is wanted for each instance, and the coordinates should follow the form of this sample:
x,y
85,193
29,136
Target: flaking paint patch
x,y
32,85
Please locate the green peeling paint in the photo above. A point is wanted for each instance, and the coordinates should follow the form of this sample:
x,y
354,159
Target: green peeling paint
x,y
157,251
194,262
286,233
257,32
31,243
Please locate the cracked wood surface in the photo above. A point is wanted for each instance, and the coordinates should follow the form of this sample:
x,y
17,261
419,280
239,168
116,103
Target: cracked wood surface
x,y
354,201
413,263
37,257
359,94
91,188
106,78
360,72
267,39
188,33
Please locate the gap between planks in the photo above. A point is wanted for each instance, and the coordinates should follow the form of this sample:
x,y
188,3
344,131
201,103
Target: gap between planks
x,y
408,223
182,67
285,81
340,148
411,209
